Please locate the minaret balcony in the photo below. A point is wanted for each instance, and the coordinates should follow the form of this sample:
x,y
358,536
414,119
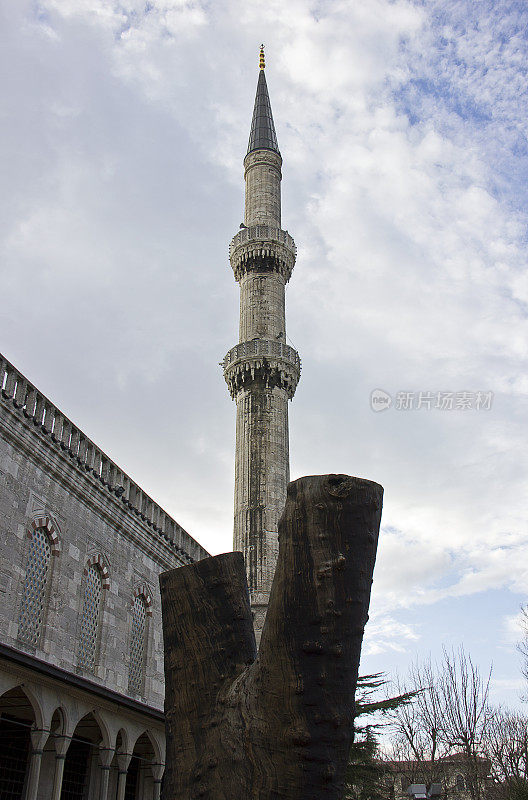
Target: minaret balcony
x,y
262,248
262,361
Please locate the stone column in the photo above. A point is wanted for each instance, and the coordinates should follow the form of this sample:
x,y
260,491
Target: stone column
x,y
123,760
38,740
61,748
105,758
157,774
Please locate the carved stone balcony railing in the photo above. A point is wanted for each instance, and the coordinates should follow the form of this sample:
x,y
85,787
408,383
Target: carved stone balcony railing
x,y
262,248
271,363
68,440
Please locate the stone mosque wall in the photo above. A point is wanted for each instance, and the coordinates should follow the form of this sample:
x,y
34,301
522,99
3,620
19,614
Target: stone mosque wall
x,y
81,548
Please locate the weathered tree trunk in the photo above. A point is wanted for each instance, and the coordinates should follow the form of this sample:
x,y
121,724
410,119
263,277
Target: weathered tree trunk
x,y
280,724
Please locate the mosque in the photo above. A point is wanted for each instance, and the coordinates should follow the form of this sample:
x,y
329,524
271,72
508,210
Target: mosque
x,y
82,545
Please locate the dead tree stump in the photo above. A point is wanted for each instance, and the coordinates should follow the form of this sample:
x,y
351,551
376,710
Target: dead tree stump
x,y
280,724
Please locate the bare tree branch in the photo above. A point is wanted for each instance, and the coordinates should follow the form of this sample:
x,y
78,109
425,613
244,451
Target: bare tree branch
x,y
506,744
449,717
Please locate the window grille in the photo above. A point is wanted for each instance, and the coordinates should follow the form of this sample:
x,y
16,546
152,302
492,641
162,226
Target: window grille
x,y
34,588
132,779
14,752
76,771
91,610
137,645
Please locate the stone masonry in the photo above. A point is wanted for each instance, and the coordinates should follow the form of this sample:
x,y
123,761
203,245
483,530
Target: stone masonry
x,y
57,484
93,514
262,371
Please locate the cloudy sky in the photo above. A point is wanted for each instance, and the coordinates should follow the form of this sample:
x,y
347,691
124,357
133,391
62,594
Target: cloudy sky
x,y
402,125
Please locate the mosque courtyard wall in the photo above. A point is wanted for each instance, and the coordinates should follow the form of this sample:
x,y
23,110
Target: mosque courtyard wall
x,y
81,650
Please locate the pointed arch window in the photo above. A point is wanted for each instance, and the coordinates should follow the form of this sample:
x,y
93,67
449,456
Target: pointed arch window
x,y
141,610
137,645
32,607
90,616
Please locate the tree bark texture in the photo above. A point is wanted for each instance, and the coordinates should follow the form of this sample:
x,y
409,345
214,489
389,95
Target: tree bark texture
x,y
242,726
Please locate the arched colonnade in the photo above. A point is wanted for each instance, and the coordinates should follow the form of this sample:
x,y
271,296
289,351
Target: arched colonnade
x,y
59,746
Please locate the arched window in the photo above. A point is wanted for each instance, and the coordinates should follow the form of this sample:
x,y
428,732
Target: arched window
x,y
140,612
460,782
90,615
32,609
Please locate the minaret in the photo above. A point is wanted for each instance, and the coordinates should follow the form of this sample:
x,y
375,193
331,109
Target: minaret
x,y
262,371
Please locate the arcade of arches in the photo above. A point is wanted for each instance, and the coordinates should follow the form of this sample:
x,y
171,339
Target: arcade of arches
x,y
57,746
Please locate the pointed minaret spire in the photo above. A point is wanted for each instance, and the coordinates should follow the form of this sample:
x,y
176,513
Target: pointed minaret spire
x,y
262,136
261,371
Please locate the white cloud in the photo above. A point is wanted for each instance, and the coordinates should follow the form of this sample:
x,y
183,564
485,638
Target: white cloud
x,y
401,128
385,634
514,627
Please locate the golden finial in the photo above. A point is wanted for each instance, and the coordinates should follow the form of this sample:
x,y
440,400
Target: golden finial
x,y
262,62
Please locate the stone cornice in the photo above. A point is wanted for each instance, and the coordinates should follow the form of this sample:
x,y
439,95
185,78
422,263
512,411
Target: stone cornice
x,y
33,424
85,489
49,671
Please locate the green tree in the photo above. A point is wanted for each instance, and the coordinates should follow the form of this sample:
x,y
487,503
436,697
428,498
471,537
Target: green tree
x,y
366,771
